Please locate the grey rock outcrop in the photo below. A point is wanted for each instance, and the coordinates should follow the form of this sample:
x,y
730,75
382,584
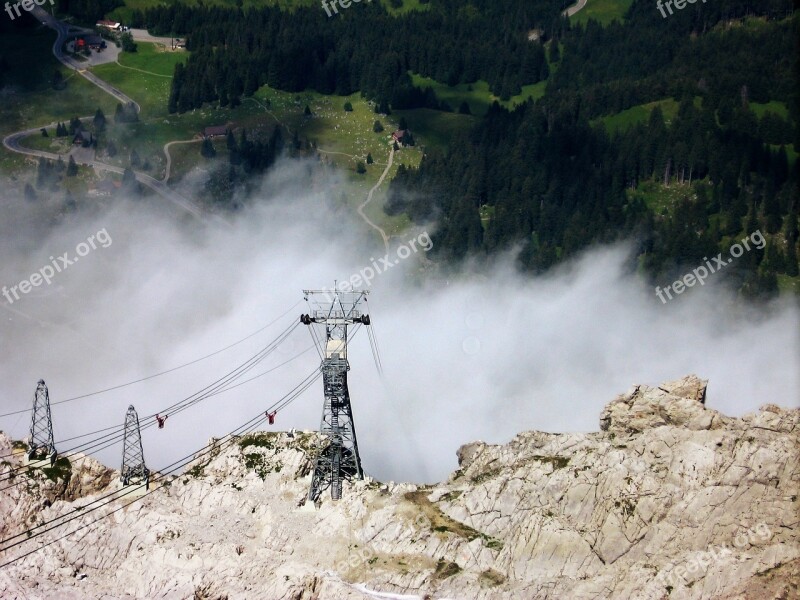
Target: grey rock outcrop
x,y
670,499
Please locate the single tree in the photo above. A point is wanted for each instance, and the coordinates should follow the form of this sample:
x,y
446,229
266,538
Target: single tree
x,y
128,45
369,159
30,193
207,149
99,121
361,168
377,127
42,172
72,167
348,107
555,51
129,184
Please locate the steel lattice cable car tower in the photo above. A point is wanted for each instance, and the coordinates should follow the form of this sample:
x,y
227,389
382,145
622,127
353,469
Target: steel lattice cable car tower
x,y
41,438
133,469
339,458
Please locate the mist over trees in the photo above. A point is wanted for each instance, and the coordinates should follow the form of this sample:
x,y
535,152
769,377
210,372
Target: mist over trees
x,y
546,177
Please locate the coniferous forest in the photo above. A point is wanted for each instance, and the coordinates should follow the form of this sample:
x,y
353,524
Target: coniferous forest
x,y
547,176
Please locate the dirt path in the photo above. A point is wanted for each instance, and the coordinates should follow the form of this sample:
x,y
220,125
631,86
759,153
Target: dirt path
x,y
271,114
369,199
360,209
142,70
169,158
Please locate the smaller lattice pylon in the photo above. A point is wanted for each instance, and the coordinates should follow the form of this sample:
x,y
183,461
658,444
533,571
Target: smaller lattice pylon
x,y
133,471
41,444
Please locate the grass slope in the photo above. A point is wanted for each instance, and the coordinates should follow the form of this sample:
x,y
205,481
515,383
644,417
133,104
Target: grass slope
x,y
602,11
638,114
641,114
775,107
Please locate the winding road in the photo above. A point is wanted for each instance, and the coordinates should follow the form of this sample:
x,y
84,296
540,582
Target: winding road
x,y
12,141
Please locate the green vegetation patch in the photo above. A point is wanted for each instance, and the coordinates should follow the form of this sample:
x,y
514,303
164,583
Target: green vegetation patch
x,y
61,470
450,496
197,470
259,463
150,91
259,440
399,7
638,114
788,284
434,127
557,462
775,107
153,58
602,11
662,199
487,475
477,95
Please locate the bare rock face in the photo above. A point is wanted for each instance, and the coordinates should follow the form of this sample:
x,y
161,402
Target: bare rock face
x,y
467,453
670,500
680,403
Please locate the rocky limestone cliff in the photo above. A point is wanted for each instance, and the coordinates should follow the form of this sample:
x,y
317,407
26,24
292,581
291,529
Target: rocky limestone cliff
x,y
670,499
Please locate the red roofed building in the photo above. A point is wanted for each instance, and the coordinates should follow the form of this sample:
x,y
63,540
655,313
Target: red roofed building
x,y
215,131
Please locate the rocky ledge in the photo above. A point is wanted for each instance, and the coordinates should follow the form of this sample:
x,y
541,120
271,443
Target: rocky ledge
x,y
670,499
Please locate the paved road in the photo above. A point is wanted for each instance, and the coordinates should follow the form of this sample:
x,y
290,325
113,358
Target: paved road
x,y
12,142
64,30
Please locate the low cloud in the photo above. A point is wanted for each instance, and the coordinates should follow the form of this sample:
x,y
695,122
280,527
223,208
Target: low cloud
x,y
480,356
